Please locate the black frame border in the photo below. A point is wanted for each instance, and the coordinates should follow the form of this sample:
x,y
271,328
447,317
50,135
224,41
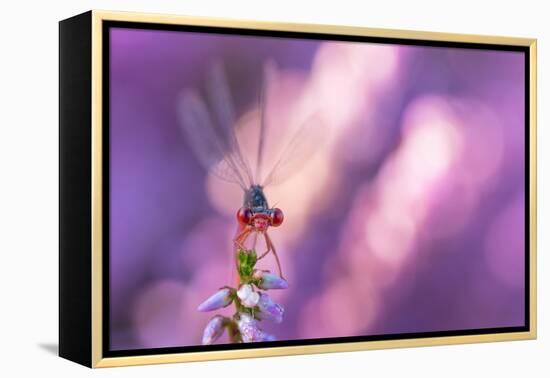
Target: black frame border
x,y
108,25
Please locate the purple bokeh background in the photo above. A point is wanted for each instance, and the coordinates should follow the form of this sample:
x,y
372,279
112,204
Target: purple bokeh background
x,y
410,218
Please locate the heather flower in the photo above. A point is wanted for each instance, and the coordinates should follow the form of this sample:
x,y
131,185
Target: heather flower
x,y
270,310
222,298
267,280
213,330
250,332
251,304
247,295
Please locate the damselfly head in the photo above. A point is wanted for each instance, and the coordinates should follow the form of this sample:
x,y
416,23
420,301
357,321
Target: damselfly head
x,y
260,218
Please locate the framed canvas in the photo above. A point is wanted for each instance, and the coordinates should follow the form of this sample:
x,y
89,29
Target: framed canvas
x,y
236,189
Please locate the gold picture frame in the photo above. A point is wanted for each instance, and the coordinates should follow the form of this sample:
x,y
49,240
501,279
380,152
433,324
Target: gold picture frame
x,y
89,328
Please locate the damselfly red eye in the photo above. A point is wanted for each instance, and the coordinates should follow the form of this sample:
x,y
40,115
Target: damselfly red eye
x,y
277,217
244,215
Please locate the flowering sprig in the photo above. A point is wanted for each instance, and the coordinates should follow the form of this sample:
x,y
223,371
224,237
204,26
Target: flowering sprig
x,y
252,304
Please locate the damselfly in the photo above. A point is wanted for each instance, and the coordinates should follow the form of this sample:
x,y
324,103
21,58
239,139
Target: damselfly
x,y
209,124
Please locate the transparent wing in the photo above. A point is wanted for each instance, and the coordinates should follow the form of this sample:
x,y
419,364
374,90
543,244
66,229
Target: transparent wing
x,y
211,134
222,105
205,140
269,77
308,138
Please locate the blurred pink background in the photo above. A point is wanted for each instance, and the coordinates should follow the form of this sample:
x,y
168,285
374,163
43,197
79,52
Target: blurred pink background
x,y
409,218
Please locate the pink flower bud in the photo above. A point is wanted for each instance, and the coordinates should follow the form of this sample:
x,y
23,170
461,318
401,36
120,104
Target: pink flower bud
x,y
270,310
221,298
250,332
213,330
247,295
268,280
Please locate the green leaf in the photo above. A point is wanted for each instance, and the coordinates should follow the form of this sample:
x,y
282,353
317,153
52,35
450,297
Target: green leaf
x,y
246,262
